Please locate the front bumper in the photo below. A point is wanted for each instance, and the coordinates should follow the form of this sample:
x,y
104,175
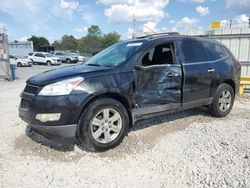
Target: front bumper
x,y
65,131
70,108
56,62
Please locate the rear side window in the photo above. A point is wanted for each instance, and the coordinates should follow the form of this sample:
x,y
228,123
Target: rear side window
x,y
31,54
215,51
193,51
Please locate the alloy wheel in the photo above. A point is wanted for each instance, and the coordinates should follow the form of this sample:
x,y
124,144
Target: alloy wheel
x,y
225,100
106,125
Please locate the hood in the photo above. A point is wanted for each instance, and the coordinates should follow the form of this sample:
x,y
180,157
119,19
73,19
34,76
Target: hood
x,y
26,60
58,74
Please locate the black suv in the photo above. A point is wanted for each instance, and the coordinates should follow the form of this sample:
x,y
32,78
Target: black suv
x,y
98,101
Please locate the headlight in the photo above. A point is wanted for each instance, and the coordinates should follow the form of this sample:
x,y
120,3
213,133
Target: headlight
x,y
63,87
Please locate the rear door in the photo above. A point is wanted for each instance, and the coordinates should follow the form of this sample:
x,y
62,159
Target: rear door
x,y
158,83
198,70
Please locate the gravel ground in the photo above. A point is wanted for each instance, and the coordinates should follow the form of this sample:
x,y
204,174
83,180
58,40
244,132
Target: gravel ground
x,y
186,149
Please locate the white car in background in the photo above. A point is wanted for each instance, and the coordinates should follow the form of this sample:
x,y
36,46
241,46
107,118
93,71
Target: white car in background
x,y
79,57
20,61
44,58
66,57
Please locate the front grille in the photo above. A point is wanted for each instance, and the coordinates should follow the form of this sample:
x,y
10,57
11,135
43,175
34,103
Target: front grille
x,y
31,89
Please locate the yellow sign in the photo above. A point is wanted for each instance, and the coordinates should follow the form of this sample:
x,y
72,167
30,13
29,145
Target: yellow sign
x,y
215,25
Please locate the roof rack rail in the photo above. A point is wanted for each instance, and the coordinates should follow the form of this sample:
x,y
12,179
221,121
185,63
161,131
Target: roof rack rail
x,y
157,34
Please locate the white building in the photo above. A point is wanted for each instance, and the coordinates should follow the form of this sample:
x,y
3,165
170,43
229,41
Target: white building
x,y
20,47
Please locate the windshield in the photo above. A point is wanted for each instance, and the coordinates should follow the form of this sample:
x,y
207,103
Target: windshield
x,y
115,55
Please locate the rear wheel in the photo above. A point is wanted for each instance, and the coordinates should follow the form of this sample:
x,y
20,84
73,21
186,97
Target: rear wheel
x,y
102,125
223,101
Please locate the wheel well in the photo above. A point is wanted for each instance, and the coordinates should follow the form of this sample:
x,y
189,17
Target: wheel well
x,y
117,97
231,83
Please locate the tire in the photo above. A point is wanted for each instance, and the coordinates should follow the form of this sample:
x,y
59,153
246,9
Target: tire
x,y
32,61
68,61
99,136
223,101
48,63
19,64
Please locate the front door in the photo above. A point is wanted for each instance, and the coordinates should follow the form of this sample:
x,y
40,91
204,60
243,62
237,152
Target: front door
x,y
158,81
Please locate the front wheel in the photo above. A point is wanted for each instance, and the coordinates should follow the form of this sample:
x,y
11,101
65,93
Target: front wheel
x,y
223,101
68,61
48,63
102,125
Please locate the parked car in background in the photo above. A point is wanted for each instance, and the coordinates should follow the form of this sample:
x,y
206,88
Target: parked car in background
x,y
66,57
44,58
20,61
96,102
80,57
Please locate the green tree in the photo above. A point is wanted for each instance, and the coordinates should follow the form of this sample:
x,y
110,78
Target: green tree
x,y
68,42
92,43
38,42
110,39
94,31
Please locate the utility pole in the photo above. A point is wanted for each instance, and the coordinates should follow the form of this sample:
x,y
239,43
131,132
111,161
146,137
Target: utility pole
x,y
230,26
134,20
248,22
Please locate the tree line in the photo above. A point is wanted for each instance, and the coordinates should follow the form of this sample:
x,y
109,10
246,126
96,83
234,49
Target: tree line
x,y
92,43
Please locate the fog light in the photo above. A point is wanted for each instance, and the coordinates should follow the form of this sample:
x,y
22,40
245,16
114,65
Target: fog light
x,y
48,117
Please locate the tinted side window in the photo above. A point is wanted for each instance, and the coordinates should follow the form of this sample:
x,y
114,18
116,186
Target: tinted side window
x,y
193,51
215,51
31,54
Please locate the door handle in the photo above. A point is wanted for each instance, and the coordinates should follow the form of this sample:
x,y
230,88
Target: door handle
x,y
211,70
171,74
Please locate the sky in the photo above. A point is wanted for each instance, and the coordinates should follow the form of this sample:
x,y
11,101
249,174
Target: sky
x,y
54,18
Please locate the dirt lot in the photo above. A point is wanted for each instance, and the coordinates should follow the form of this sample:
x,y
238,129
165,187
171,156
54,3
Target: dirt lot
x,y
186,149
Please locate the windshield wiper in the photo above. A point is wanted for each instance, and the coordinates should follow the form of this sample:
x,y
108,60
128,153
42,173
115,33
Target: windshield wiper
x,y
93,64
